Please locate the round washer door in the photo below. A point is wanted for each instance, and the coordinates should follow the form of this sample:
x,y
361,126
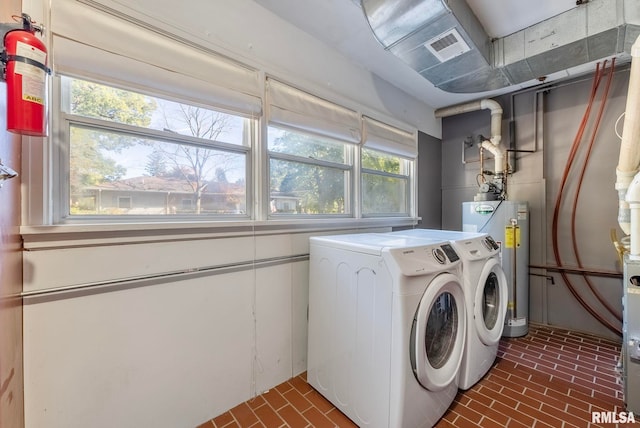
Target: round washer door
x,y
490,302
438,333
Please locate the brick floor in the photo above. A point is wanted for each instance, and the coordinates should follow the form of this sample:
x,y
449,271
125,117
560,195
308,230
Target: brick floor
x,y
549,378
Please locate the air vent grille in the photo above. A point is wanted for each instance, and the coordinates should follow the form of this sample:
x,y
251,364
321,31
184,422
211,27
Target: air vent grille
x,y
447,45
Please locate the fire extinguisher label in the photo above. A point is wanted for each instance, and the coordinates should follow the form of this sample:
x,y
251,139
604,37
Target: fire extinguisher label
x,y
33,78
33,89
27,51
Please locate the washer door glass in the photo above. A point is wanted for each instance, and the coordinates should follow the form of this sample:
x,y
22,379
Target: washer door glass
x,y
438,333
490,301
490,306
442,330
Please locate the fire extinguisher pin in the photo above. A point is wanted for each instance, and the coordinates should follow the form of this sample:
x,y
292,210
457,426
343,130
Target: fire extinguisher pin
x,y
28,23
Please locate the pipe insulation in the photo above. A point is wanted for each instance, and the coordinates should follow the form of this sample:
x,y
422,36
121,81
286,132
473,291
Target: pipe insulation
x,y
493,144
629,160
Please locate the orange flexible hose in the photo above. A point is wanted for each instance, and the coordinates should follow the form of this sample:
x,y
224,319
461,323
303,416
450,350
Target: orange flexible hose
x,y
572,152
589,283
556,212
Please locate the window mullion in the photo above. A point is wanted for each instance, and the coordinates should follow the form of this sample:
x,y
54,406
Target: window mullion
x,y
163,136
356,185
309,161
384,173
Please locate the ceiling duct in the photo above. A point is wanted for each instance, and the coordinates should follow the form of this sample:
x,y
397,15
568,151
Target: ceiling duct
x,y
444,41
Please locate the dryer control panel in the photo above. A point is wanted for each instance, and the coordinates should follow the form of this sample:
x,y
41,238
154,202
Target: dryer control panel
x,y
478,248
413,261
450,252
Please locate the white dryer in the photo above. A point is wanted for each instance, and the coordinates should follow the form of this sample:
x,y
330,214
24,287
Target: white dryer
x,y
386,327
486,292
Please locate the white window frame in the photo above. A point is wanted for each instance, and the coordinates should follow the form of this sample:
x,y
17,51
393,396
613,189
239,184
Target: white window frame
x,y
394,141
60,160
298,111
410,179
347,168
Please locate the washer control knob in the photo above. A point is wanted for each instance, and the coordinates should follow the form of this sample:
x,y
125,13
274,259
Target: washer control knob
x,y
487,244
492,243
439,255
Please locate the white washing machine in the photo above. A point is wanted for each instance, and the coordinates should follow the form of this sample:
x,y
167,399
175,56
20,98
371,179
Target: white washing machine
x,y
486,292
386,327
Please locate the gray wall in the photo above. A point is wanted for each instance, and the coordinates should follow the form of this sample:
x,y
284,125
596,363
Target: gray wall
x,y
429,173
537,180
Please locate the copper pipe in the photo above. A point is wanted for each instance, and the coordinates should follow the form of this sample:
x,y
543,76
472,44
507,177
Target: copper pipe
x,y
556,211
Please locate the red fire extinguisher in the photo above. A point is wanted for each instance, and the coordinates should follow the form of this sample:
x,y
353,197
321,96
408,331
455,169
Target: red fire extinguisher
x,y
24,59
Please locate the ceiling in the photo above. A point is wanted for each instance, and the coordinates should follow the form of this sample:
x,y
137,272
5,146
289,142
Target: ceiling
x,y
503,17
342,25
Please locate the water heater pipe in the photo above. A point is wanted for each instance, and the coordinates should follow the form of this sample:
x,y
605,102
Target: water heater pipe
x,y
493,144
629,160
498,156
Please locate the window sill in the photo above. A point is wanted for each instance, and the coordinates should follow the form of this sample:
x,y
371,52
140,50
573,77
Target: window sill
x,y
79,235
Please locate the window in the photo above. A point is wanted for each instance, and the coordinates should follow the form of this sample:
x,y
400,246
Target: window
x,y
387,164
124,202
187,204
134,154
165,127
385,184
311,146
308,174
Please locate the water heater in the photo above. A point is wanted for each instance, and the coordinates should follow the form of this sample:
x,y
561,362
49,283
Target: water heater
x,y
508,223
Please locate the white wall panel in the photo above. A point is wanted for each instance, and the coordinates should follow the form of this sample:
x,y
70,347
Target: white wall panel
x,y
167,355
299,318
270,246
273,326
172,351
60,267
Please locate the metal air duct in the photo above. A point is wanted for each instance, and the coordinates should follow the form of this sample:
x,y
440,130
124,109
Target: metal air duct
x,y
444,41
